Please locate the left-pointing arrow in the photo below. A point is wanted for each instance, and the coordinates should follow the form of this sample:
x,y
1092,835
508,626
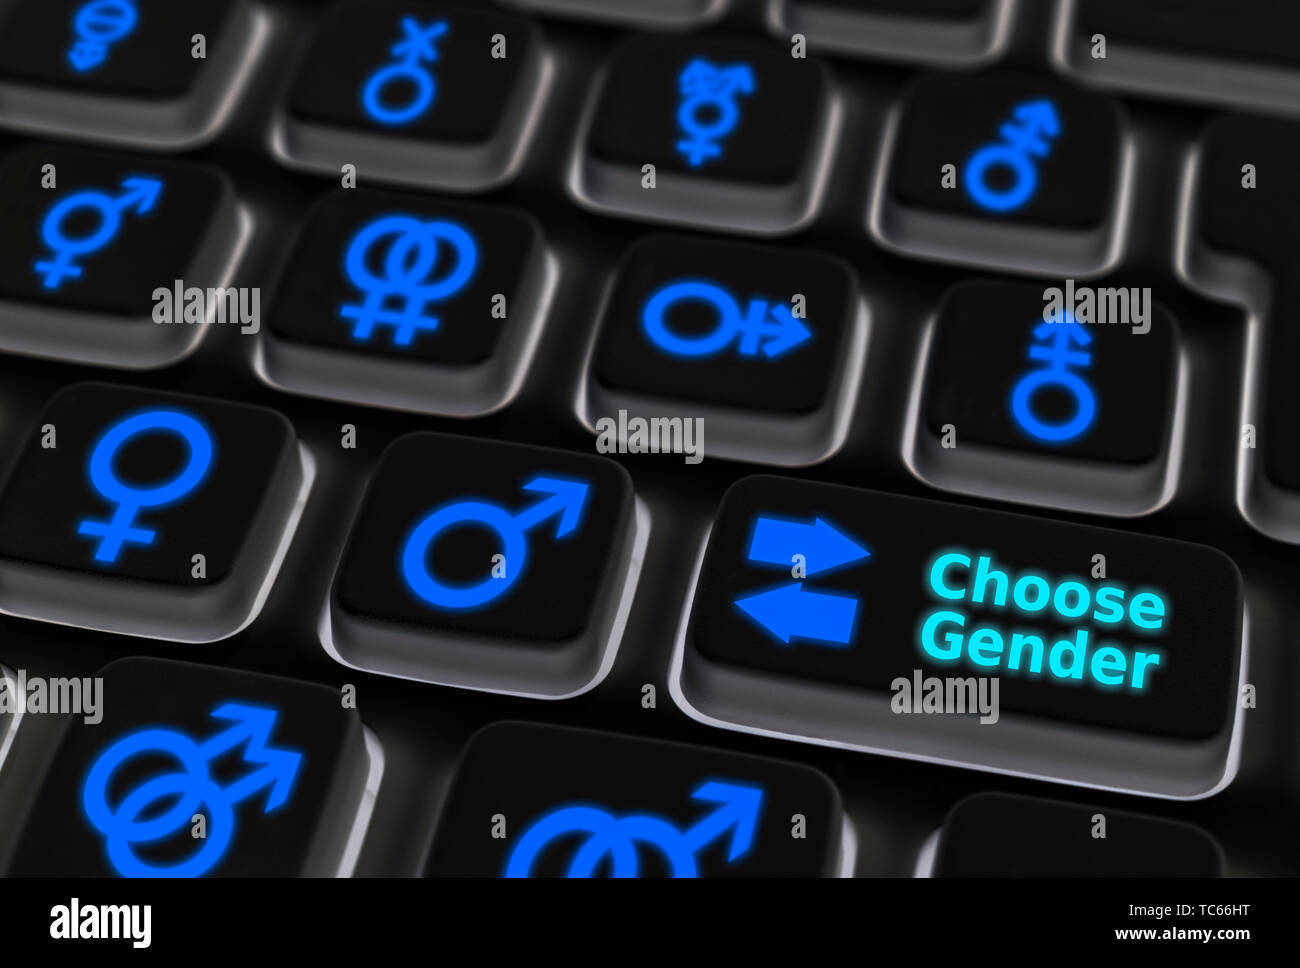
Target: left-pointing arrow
x,y
793,612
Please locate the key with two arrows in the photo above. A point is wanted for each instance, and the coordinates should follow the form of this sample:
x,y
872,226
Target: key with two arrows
x,y
196,771
1111,659
531,800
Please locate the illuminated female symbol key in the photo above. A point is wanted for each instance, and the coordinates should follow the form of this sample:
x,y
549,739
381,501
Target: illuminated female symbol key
x,y
121,528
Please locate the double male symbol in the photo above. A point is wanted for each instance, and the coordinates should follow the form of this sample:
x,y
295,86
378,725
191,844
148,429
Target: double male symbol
x,y
136,820
565,500
412,53
413,252
613,840
139,194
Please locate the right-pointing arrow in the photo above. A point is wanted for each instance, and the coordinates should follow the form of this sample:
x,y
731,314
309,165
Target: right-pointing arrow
x,y
777,540
793,612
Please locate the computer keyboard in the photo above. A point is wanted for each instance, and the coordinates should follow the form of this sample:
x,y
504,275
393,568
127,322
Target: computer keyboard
x,y
648,438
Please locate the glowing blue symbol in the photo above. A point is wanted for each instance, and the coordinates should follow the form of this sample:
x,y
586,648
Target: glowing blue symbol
x,y
413,51
139,194
769,328
99,25
1056,347
708,111
121,528
187,791
614,839
1029,135
792,611
409,262
565,500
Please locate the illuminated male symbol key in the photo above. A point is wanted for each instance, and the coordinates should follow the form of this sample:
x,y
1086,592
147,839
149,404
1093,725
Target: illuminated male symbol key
x,y
486,565
565,500
409,266
415,50
120,530
760,327
188,790
139,195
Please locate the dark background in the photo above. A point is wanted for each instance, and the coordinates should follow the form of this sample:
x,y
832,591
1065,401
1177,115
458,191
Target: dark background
x,y
894,804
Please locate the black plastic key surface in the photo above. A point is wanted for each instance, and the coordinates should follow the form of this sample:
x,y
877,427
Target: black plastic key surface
x,y
486,564
1064,395
139,48
321,301
814,601
270,771
1002,835
737,133
980,357
88,240
153,73
583,803
786,366
1004,169
645,14
1195,50
429,93
1240,244
147,512
941,32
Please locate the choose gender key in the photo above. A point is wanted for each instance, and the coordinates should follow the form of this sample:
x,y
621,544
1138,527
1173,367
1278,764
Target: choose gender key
x,y
149,514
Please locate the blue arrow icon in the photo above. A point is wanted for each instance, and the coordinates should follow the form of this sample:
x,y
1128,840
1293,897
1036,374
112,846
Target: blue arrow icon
x,y
793,612
253,725
776,541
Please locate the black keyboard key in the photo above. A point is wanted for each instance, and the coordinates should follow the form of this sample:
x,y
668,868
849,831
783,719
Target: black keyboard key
x,y
1082,413
1242,54
1004,170
82,264
1236,245
819,610
1002,835
643,14
149,513
126,71
487,565
582,803
943,33
738,135
410,303
439,95
199,771
764,345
